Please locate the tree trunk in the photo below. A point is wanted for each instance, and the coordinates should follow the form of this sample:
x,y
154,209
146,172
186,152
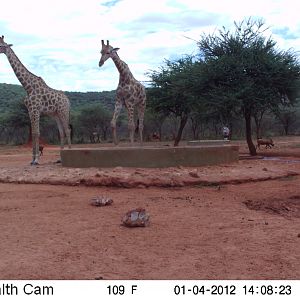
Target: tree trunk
x,y
230,130
258,121
286,127
195,127
251,146
258,131
104,132
195,132
183,121
160,133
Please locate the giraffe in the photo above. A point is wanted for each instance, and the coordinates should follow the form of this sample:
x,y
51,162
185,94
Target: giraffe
x,y
40,99
130,92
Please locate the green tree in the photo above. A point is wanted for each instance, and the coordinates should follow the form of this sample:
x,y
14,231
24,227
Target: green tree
x,y
172,93
93,119
16,123
246,73
17,119
153,122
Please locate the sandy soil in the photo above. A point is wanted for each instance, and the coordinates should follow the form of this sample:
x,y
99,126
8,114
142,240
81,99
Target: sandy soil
x,y
238,221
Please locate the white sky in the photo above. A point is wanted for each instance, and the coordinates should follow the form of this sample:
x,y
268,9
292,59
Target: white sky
x,y
60,40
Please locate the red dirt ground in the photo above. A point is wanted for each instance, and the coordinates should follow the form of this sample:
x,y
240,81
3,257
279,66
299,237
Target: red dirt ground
x,y
238,221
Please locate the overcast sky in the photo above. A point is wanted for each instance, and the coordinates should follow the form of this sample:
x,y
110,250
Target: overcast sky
x,y
60,40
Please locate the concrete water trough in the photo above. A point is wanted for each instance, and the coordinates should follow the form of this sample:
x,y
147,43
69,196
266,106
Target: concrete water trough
x,y
208,142
149,156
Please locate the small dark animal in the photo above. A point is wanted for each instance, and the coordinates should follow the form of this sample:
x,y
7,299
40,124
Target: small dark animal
x,y
268,142
41,148
155,136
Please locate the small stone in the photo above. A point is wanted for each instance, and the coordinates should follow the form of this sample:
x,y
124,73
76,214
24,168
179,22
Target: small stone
x,y
136,218
298,235
194,174
141,186
101,201
265,169
99,174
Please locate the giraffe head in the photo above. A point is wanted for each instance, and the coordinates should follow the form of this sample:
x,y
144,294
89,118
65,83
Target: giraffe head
x,y
106,52
3,45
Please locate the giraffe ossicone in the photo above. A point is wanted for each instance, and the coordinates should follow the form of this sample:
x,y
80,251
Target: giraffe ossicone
x,y
130,92
40,99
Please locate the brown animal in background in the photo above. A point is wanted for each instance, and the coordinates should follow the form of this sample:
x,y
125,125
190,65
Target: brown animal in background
x,y
155,136
268,142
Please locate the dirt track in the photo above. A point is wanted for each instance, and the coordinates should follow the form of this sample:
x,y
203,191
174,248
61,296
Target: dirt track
x,y
239,221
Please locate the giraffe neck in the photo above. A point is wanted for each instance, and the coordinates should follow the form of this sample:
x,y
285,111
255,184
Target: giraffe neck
x,y
25,77
122,67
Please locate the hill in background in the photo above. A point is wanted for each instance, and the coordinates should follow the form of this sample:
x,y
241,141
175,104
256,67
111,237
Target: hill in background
x,y
10,93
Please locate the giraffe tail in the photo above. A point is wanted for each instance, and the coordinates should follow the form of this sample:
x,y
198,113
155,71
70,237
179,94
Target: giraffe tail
x,y
71,131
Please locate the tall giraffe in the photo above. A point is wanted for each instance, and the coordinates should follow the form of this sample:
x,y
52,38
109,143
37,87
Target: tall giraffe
x,y
130,92
40,99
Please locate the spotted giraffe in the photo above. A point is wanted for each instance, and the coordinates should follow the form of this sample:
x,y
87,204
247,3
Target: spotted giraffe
x,y
40,99
130,92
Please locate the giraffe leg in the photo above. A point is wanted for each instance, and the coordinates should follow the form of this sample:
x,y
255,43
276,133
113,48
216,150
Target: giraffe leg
x,y
131,126
61,131
118,107
141,112
35,127
66,127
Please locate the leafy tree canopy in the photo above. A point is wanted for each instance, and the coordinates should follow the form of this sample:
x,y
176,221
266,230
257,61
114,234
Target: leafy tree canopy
x,y
245,72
